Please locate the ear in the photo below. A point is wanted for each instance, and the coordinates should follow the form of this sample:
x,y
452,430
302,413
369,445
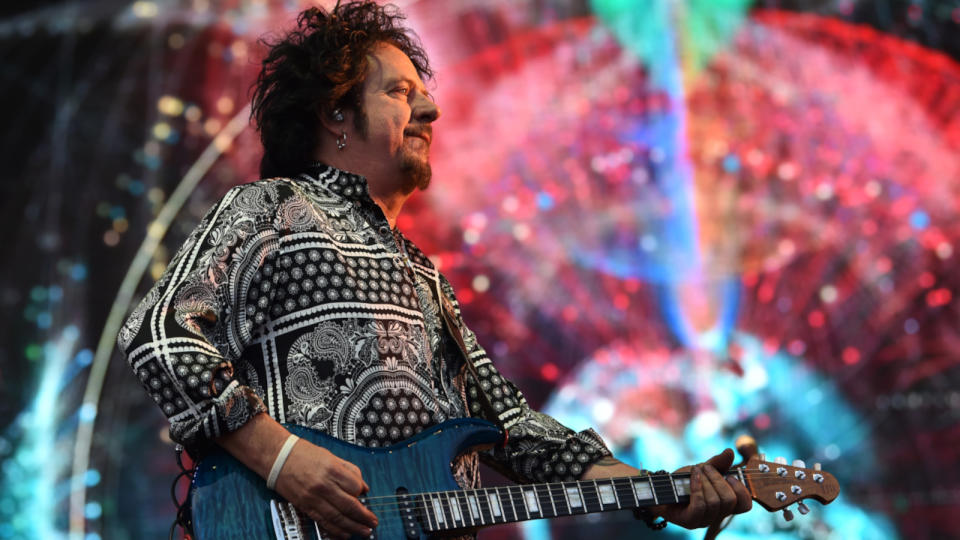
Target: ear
x,y
335,120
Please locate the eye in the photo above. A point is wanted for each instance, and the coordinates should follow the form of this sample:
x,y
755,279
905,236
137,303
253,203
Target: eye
x,y
401,90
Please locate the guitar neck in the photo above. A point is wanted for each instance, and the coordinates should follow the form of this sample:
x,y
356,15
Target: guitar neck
x,y
448,510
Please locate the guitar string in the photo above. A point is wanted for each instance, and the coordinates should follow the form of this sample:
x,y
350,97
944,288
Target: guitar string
x,y
386,508
663,478
589,497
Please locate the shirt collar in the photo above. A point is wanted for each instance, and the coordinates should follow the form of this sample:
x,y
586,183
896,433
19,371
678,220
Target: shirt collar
x,y
346,184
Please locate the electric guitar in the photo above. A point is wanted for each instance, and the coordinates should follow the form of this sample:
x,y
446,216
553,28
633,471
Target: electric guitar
x,y
414,495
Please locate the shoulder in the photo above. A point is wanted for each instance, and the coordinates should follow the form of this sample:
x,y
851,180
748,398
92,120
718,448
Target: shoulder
x,y
260,197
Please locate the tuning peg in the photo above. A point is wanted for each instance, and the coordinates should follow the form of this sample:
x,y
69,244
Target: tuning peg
x,y
781,460
763,457
802,508
799,463
816,466
787,514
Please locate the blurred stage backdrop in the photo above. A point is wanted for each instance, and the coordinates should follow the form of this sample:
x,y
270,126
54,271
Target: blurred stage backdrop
x,y
674,220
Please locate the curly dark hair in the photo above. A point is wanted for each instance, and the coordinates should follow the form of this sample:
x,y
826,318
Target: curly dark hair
x,y
316,68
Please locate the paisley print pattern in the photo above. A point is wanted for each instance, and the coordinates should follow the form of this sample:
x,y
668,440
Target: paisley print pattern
x,y
292,297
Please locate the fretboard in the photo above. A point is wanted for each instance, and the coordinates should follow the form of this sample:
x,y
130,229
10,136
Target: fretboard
x,y
447,510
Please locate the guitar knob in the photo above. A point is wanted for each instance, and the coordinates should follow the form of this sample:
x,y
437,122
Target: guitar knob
x,y
781,460
799,463
787,514
803,509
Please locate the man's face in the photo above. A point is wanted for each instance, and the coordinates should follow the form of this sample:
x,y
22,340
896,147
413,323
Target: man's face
x,y
398,114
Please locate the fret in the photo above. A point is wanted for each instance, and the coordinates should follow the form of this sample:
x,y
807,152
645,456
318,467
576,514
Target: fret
x,y
484,501
475,512
427,511
519,500
624,489
455,508
682,485
673,487
504,506
585,503
539,489
608,493
438,511
513,503
573,496
591,498
664,491
564,502
653,489
447,511
530,500
465,508
495,509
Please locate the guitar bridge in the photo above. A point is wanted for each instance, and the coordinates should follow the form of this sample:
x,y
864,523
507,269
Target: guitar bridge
x,y
286,521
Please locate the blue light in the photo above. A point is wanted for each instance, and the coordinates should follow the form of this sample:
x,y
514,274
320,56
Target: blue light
x,y
87,412
55,293
84,357
544,201
91,478
78,272
919,219
71,333
44,319
731,163
136,187
92,536
92,510
911,326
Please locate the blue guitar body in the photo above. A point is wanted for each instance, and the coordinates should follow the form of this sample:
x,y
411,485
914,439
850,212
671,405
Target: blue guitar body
x,y
231,502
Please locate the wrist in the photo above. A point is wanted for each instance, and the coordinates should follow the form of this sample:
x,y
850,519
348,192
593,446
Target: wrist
x,y
280,461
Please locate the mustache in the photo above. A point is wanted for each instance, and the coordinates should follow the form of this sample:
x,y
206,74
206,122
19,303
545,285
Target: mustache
x,y
425,131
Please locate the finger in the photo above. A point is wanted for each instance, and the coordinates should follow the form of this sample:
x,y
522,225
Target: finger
x,y
744,500
711,499
691,515
351,508
722,461
728,499
349,523
329,527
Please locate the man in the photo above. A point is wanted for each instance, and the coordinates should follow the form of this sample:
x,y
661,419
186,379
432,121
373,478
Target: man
x,y
297,297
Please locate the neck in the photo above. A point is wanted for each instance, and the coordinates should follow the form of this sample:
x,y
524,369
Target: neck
x,y
390,203
386,187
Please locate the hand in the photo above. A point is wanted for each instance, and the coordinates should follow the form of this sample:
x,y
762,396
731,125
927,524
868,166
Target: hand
x,y
712,497
326,488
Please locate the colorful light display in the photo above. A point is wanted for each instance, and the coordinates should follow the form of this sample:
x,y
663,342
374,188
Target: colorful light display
x,y
673,221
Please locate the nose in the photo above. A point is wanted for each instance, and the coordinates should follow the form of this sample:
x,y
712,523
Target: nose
x,y
425,110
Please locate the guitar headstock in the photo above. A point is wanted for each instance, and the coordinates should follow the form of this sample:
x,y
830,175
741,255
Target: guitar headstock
x,y
776,485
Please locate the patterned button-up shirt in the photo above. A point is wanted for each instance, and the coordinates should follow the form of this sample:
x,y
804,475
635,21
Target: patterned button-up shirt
x,y
294,297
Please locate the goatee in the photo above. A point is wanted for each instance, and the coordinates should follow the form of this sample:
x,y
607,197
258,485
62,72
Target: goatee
x,y
416,173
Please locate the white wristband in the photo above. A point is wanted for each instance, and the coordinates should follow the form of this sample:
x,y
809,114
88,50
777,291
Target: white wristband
x,y
281,459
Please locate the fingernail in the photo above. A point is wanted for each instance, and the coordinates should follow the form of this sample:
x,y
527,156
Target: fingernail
x,y
733,479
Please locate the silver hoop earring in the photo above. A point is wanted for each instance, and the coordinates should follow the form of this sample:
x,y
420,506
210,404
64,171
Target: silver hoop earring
x,y
342,140
338,115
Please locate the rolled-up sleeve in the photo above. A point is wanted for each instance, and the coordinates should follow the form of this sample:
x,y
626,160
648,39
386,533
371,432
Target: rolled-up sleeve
x,y
185,337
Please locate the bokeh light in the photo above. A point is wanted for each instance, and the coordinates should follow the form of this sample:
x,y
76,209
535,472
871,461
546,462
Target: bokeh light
x,y
675,222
